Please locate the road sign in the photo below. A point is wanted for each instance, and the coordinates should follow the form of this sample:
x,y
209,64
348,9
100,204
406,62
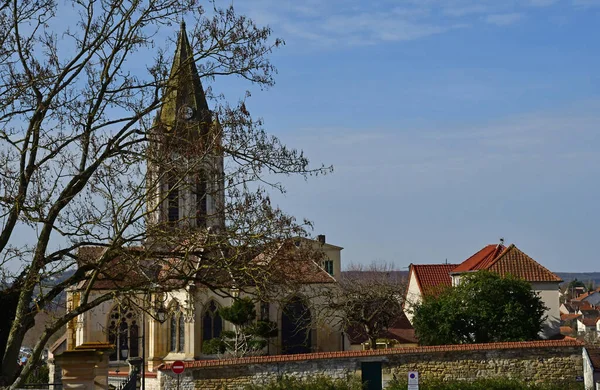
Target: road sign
x,y
413,380
178,367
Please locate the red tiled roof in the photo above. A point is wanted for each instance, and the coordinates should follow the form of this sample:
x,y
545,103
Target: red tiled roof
x,y
510,260
566,342
588,321
482,259
431,278
566,330
594,354
569,317
580,305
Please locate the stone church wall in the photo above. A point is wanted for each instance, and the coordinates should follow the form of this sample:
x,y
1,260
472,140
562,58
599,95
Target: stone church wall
x,y
538,361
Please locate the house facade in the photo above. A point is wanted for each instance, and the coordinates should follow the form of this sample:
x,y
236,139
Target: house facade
x,y
500,259
425,279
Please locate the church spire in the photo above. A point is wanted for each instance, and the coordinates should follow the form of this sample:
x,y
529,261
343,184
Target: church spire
x,y
184,99
186,160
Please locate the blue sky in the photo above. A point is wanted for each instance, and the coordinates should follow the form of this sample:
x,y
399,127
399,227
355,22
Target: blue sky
x,y
449,123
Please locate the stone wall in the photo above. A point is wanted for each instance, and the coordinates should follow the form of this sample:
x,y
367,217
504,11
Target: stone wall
x,y
539,361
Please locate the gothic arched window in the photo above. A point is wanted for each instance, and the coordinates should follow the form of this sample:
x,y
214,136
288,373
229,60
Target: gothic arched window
x,y
177,331
123,333
212,323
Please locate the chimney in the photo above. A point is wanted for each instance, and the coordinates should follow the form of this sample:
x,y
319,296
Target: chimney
x,y
321,238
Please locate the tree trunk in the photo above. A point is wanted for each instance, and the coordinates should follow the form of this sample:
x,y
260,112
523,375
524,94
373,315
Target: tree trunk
x,y
373,342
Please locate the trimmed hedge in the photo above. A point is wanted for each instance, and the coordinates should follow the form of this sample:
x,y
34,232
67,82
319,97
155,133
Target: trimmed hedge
x,y
311,383
488,384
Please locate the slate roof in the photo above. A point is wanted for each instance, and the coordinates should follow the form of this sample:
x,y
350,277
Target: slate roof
x,y
585,295
593,313
431,278
510,260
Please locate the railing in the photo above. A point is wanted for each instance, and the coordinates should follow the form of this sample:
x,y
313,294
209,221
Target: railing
x,y
128,383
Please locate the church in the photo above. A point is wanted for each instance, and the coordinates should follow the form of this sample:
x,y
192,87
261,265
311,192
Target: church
x,y
185,170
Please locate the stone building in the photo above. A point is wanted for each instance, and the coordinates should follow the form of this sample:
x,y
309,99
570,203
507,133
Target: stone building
x,y
186,171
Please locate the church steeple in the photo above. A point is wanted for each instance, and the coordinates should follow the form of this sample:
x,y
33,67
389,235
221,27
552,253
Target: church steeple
x,y
184,99
186,162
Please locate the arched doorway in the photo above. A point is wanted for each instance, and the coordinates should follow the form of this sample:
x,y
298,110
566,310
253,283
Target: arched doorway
x,y
295,327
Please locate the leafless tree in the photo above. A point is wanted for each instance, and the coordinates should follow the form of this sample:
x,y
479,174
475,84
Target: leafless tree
x,y
77,110
369,300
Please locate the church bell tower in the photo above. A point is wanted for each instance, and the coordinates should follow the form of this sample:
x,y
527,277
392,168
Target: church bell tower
x,y
185,158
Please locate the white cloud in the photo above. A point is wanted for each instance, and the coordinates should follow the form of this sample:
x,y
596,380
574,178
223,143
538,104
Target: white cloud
x,y
363,22
503,19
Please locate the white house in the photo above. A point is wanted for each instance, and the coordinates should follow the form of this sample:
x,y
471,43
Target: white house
x,y
511,260
425,279
591,368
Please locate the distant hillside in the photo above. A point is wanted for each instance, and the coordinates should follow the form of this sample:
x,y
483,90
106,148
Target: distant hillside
x,y
585,277
400,276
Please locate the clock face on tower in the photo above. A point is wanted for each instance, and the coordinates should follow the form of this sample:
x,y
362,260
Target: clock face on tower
x,y
186,113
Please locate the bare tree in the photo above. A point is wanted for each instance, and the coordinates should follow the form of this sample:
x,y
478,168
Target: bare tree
x,y
77,112
369,300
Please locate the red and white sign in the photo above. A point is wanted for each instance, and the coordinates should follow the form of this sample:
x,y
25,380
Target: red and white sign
x,y
178,367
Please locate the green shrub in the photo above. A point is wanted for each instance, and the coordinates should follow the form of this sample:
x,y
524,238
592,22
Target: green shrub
x,y
487,384
311,383
39,374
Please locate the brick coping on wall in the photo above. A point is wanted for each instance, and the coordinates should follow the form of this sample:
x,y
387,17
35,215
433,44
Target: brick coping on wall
x,y
566,342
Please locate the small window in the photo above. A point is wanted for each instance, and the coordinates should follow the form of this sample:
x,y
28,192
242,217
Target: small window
x,y
177,332
328,266
212,324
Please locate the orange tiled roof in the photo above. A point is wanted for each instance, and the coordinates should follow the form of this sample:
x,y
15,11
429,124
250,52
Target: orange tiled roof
x,y
509,260
566,342
577,305
432,277
481,259
566,330
588,321
585,295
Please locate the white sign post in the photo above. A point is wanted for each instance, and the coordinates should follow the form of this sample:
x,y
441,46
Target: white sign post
x,y
413,380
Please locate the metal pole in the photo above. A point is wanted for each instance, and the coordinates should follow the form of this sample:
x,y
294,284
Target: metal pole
x,y
143,349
